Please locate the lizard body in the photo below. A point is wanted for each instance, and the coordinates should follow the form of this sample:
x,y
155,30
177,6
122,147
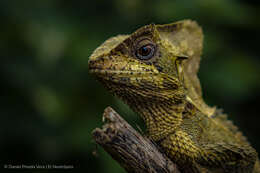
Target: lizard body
x,y
154,71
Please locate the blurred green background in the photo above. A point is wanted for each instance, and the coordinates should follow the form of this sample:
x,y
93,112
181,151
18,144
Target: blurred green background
x,y
50,104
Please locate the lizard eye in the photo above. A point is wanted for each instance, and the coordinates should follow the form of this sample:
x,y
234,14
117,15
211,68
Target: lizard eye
x,y
145,50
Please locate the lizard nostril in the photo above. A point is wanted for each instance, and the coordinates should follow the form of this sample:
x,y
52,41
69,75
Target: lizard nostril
x,y
96,63
91,64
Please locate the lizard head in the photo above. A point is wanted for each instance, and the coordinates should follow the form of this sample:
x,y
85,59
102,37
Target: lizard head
x,y
155,63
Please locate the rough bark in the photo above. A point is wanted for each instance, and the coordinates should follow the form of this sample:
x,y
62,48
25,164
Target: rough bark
x,y
135,153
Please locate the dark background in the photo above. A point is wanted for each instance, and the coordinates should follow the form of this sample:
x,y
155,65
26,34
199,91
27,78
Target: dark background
x,y
49,104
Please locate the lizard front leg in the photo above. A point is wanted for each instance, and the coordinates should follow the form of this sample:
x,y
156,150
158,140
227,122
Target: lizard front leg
x,y
221,157
183,151
232,158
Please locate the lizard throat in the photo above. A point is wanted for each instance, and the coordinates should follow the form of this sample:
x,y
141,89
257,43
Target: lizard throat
x,y
161,119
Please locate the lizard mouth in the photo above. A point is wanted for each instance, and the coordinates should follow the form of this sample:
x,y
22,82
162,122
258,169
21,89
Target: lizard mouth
x,y
103,69
119,72
131,79
131,74
120,77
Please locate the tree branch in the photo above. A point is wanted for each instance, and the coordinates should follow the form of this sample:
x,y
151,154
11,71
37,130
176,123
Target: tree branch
x,y
132,151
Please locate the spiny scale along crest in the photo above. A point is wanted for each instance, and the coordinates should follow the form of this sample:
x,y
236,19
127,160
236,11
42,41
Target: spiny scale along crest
x,y
154,71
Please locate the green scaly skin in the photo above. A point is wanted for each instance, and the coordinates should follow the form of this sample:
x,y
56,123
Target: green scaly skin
x,y
154,71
